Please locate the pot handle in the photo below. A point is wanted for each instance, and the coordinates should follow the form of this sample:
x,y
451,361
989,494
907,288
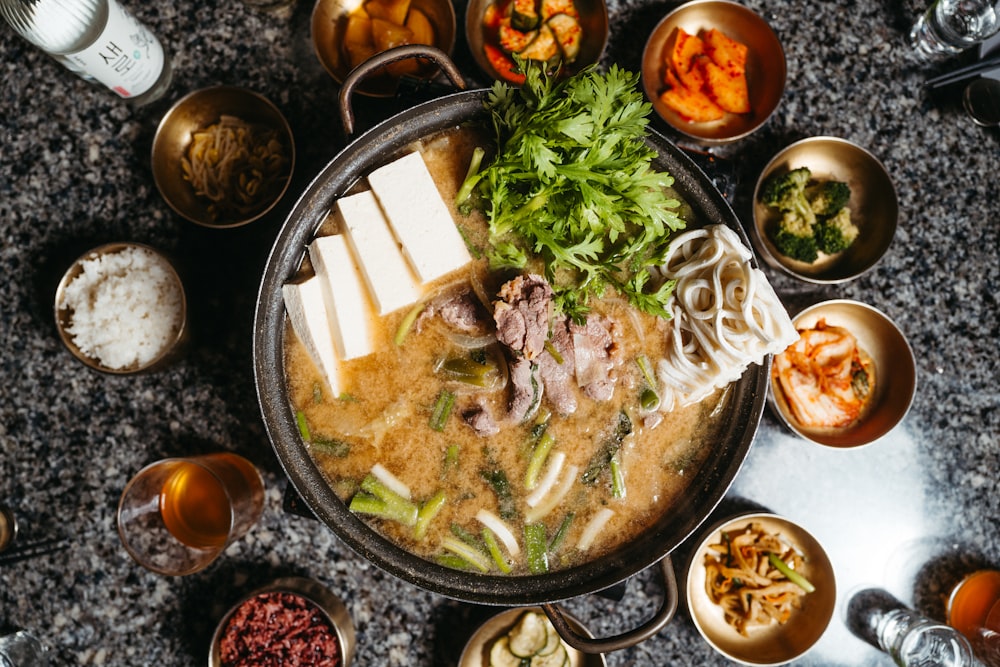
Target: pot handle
x,y
379,60
626,639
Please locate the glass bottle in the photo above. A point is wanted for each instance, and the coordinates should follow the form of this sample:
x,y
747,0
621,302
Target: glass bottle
x,y
913,640
948,27
99,40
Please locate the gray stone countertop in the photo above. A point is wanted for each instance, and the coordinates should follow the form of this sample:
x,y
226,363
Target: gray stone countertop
x,y
911,513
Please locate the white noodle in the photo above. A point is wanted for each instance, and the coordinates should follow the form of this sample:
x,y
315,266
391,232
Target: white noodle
x,y
726,316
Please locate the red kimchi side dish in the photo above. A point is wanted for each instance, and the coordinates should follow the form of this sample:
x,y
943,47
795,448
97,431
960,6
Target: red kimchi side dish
x,y
825,378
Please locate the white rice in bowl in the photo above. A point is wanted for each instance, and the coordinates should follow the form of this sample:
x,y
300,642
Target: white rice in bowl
x,y
126,307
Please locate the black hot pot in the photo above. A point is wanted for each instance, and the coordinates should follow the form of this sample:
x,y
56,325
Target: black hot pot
x,y
710,484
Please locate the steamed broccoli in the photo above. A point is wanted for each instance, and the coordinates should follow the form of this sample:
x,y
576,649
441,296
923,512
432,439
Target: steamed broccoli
x,y
786,192
814,216
837,232
793,236
827,198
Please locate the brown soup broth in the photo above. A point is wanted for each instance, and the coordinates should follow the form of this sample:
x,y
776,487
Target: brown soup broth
x,y
384,416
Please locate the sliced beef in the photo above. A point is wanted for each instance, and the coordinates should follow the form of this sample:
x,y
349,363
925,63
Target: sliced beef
x,y
460,310
526,390
558,375
478,417
596,356
522,314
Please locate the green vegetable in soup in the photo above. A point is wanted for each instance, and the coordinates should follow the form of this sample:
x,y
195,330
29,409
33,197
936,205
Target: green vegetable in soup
x,y
572,182
601,460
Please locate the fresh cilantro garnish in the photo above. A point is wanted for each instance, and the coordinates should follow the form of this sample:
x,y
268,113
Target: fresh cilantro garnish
x,y
572,182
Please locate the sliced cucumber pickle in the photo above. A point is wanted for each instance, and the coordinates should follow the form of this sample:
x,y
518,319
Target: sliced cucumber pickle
x,y
500,655
529,636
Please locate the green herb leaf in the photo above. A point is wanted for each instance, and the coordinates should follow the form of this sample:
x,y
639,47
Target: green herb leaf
x,y
572,182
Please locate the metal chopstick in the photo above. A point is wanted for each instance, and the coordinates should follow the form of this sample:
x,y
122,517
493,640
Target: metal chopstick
x,y
963,73
33,550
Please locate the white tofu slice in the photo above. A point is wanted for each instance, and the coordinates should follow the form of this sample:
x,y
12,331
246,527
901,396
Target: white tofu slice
x,y
390,280
307,312
419,217
348,306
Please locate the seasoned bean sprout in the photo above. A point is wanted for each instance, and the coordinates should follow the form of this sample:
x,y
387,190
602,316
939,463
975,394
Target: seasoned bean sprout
x,y
239,167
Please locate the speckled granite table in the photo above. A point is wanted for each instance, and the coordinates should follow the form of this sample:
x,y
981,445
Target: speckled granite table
x,y
910,514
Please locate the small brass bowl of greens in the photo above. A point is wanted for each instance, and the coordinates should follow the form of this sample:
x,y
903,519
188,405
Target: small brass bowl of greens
x,y
824,210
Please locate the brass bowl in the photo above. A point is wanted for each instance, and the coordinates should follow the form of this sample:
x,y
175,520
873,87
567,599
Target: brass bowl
x,y
322,598
895,374
765,68
593,23
328,23
196,111
64,314
775,644
873,204
476,651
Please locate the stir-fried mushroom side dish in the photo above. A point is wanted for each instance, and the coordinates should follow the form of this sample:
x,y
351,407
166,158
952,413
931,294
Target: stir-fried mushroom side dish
x,y
755,577
536,382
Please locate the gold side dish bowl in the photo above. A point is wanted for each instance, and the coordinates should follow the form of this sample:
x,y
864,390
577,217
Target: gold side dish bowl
x,y
111,318
335,42
895,374
592,17
319,600
478,650
775,643
873,203
765,67
211,108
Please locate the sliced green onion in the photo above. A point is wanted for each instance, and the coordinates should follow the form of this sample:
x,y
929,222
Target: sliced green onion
x,y
538,457
427,512
649,400
407,324
472,176
466,552
401,509
551,349
300,418
466,536
594,527
442,409
453,561
536,547
561,532
450,459
469,371
332,446
647,369
617,477
367,503
553,499
494,549
789,573
317,393
500,530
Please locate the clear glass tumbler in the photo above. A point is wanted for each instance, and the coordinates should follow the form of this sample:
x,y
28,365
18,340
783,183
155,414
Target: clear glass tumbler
x,y
948,27
177,515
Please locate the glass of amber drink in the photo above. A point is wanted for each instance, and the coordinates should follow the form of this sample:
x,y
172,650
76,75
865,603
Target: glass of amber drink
x,y
177,515
974,610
